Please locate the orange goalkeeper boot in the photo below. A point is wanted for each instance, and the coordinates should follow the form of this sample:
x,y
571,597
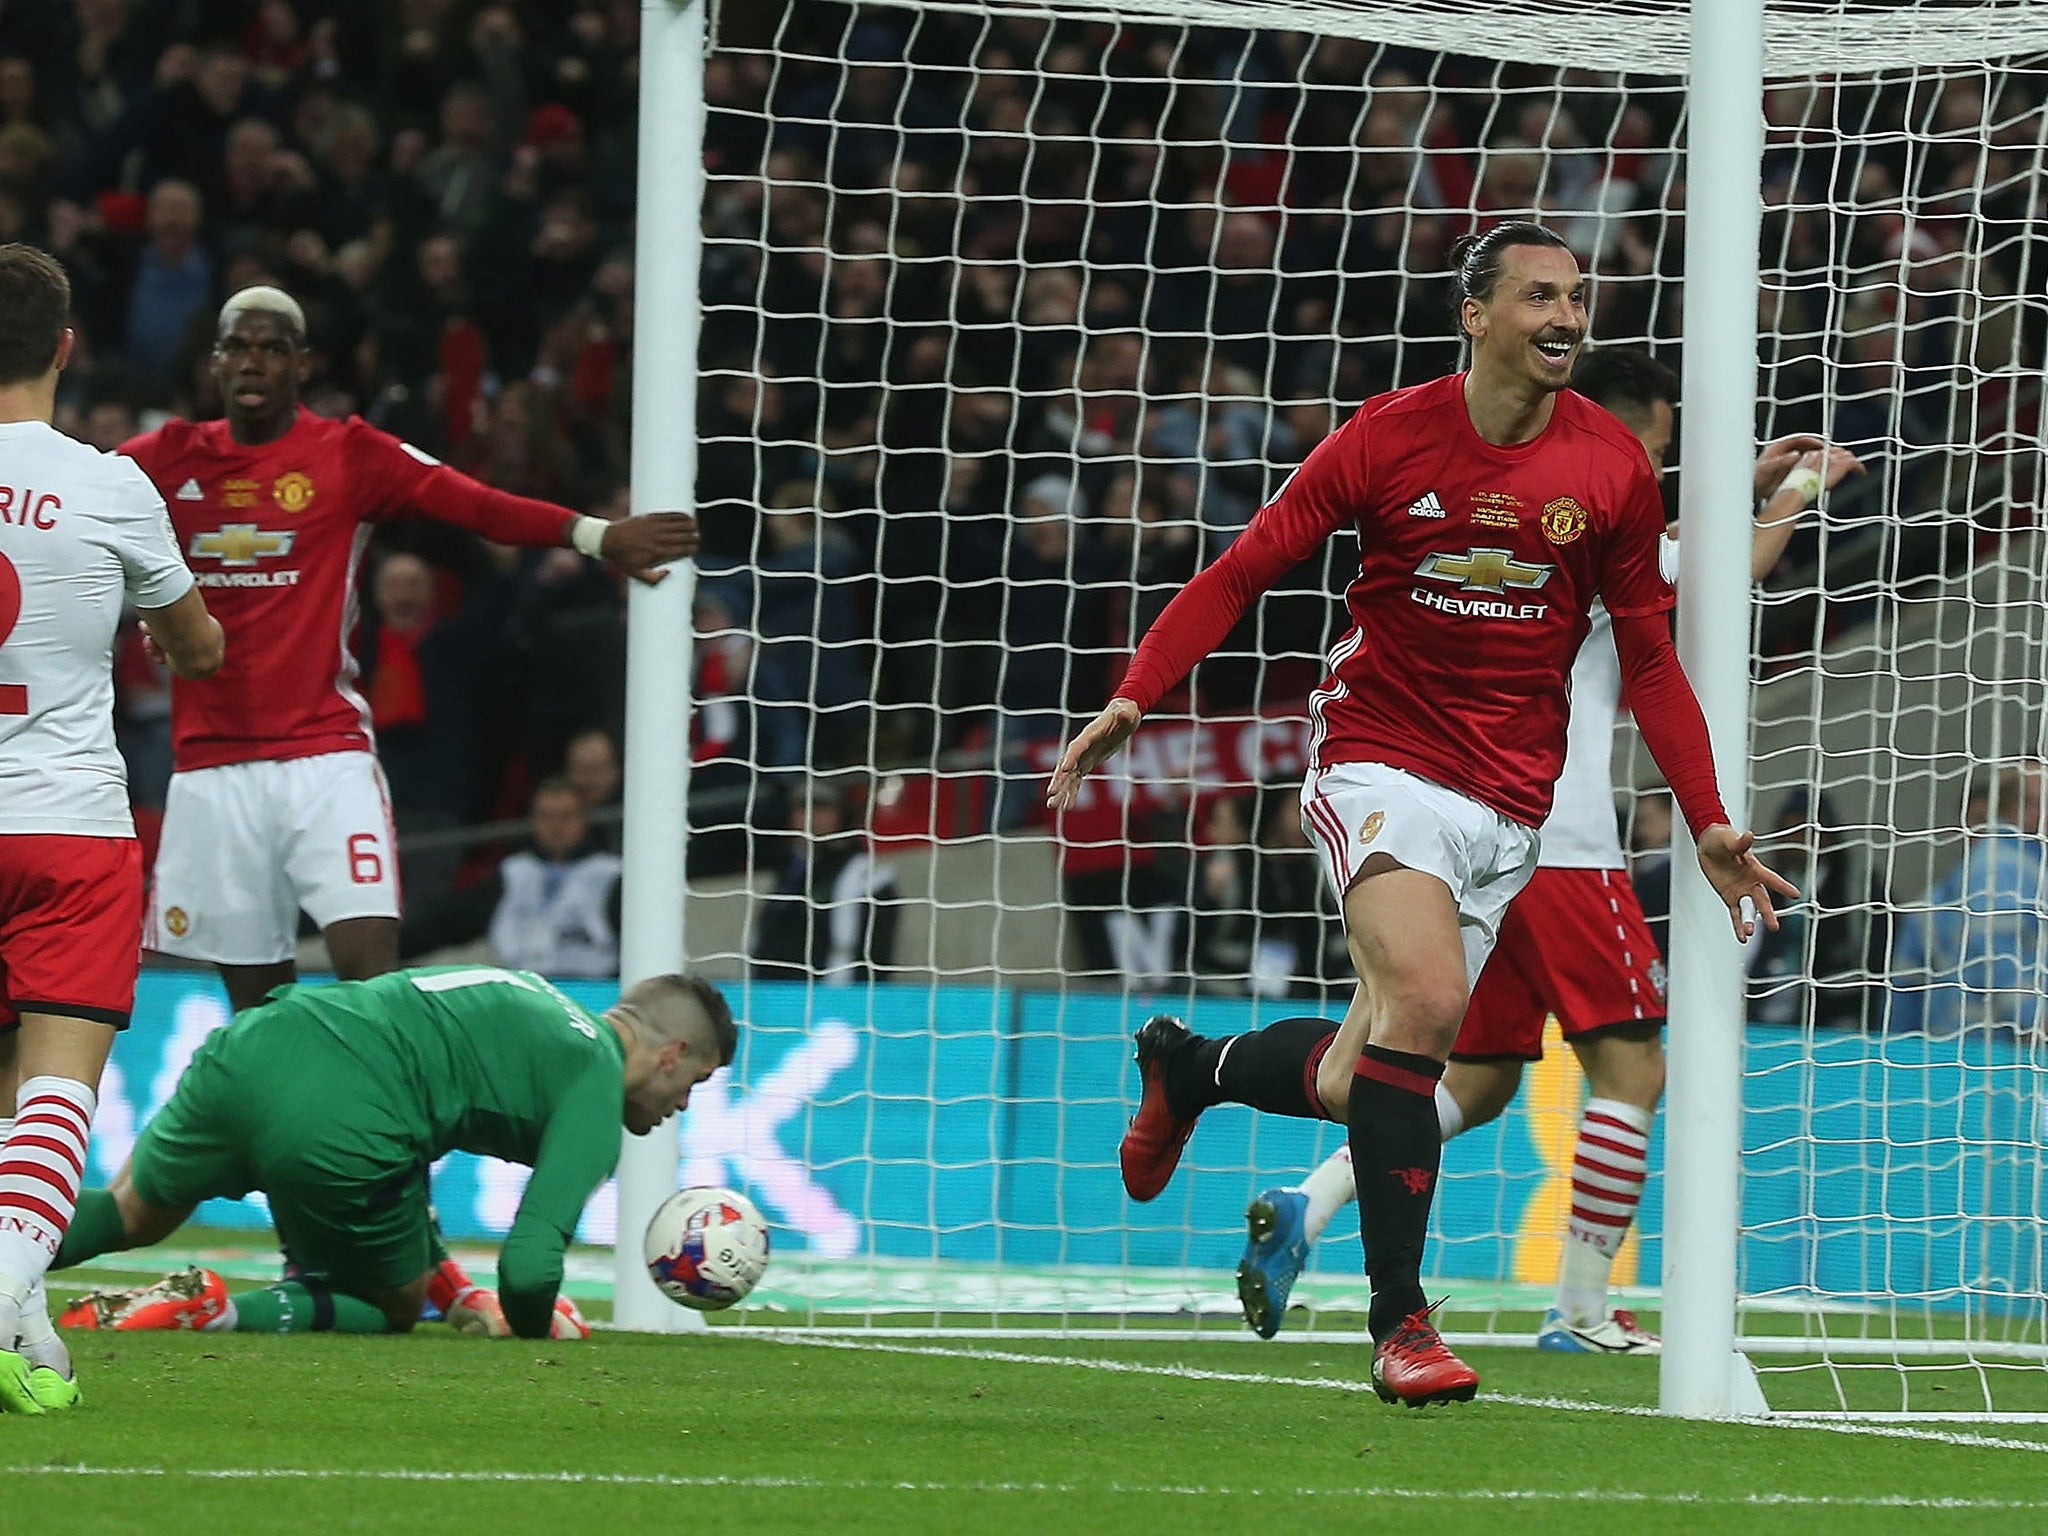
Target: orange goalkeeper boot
x,y
192,1298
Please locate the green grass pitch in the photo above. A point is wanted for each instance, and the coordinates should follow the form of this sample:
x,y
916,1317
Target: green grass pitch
x,y
744,1431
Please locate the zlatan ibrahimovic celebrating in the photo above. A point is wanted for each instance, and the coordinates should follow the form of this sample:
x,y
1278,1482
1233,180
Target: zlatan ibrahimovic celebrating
x,y
277,801
1492,508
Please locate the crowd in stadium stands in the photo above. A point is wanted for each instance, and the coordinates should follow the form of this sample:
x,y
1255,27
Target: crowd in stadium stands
x,y
1973,956
1005,334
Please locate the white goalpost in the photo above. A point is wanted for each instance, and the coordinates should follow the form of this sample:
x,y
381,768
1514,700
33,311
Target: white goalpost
x,y
1701,1374
667,256
984,325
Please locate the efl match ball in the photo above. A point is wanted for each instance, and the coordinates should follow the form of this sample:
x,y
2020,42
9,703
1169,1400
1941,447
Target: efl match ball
x,y
706,1247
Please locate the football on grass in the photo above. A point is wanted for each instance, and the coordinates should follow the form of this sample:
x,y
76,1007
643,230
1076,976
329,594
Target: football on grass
x,y
706,1247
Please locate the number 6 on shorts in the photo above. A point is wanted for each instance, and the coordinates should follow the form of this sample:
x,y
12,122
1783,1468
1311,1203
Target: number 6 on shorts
x,y
365,861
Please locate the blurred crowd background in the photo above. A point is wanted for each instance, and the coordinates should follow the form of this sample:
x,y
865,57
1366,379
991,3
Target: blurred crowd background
x,y
1009,326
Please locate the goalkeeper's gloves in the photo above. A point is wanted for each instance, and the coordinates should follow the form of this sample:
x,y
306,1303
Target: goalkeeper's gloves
x,y
477,1311
567,1322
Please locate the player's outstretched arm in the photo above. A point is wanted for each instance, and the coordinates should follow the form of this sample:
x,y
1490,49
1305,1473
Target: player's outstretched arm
x,y
1790,475
403,481
578,1151
1088,751
188,638
1325,494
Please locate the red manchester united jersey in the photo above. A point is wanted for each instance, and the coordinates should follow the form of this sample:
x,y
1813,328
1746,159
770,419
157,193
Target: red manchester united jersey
x,y
1478,564
274,533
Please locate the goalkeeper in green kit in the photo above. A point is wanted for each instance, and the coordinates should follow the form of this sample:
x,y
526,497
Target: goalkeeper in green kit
x,y
333,1100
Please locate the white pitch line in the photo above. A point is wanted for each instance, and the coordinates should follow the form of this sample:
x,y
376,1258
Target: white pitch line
x,y
1335,1384
1093,1490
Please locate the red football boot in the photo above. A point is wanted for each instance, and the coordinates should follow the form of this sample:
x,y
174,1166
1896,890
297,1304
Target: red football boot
x,y
1415,1367
1152,1146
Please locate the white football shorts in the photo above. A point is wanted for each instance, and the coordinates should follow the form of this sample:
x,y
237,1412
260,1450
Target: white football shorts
x,y
246,845
1354,810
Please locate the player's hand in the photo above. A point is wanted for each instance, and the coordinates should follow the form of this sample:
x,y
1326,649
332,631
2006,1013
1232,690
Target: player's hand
x,y
1835,464
478,1313
1777,459
150,648
1735,873
641,545
1090,750
567,1323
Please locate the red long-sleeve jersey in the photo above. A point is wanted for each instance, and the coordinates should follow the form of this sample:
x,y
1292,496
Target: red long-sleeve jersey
x,y
275,534
1478,565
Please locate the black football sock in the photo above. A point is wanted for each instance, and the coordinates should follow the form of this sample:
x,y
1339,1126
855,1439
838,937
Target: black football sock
x,y
1273,1069
1395,1151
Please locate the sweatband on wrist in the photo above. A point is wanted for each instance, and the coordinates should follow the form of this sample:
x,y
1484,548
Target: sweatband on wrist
x,y
586,535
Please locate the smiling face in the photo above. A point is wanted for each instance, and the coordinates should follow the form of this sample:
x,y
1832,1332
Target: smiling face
x,y
1529,326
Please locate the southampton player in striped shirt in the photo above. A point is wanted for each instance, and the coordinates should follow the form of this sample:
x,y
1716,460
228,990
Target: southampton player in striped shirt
x,y
1493,508
79,532
1574,944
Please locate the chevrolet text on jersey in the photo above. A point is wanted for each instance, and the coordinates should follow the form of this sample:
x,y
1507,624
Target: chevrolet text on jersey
x,y
1423,681
277,530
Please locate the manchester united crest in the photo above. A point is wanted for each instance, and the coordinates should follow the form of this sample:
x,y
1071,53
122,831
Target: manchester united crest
x,y
1563,520
293,491
1370,827
176,920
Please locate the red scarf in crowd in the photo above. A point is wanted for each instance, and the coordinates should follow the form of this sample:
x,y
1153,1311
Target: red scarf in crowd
x,y
398,693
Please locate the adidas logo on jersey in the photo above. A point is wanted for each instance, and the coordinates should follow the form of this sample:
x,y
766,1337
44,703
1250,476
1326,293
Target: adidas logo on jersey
x,y
1427,506
190,491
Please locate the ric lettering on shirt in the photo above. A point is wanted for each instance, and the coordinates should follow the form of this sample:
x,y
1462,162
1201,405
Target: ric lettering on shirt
x,y
26,507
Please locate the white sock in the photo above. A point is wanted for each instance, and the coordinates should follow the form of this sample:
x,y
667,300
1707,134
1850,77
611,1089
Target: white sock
x,y
1450,1119
1608,1168
224,1322
40,1343
42,1163
1329,1189
6,1130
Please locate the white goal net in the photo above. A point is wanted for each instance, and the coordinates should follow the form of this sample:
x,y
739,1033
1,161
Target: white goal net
x,y
1012,319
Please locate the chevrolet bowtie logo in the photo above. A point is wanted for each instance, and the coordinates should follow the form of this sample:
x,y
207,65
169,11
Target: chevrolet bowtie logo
x,y
244,544
1484,570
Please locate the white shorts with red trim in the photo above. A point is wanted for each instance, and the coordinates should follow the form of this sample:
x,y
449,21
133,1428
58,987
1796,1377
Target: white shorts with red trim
x,y
1354,810
246,845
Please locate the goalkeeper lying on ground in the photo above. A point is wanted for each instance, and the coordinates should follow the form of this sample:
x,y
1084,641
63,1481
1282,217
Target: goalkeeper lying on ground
x,y
333,1100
